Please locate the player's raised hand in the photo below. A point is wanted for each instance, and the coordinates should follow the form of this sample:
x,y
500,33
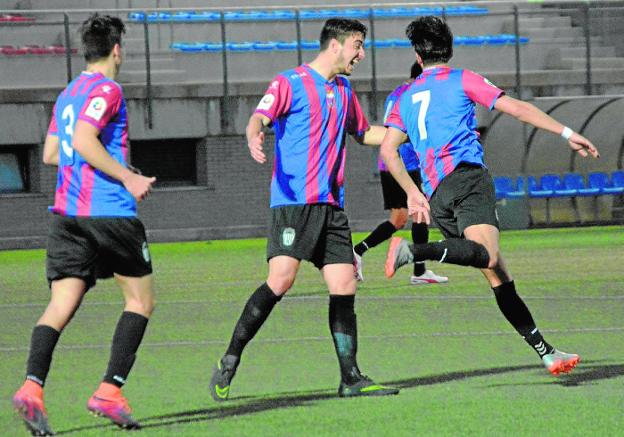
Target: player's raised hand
x,y
418,207
582,146
138,185
255,147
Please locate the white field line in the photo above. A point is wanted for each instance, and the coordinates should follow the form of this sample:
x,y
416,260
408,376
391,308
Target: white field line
x,y
324,338
325,297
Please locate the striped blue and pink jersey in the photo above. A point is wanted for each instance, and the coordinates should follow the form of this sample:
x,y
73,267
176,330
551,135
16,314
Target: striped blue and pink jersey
x,y
406,150
81,190
310,117
437,112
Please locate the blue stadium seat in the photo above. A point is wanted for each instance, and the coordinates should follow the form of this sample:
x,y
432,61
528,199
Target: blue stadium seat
x,y
576,183
538,190
286,45
506,188
306,14
600,180
617,178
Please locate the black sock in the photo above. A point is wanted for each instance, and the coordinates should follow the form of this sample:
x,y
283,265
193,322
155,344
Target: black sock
x,y
517,313
126,340
256,311
379,235
453,251
42,343
420,235
343,327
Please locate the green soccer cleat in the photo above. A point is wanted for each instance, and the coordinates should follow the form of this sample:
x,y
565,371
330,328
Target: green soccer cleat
x,y
399,254
222,376
560,362
365,387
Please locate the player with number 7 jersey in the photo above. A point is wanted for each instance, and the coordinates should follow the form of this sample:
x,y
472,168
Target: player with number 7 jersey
x,y
82,190
443,98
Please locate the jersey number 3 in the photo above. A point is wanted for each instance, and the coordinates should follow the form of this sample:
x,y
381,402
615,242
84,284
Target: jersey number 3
x,y
68,118
422,97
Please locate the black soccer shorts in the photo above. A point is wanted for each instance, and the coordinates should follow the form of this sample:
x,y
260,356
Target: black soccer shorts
x,y
464,198
393,195
92,248
317,233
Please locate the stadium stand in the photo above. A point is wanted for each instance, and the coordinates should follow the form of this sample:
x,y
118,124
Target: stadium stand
x,y
189,106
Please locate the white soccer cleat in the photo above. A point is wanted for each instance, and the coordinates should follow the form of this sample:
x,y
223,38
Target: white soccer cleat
x,y
357,267
558,362
428,278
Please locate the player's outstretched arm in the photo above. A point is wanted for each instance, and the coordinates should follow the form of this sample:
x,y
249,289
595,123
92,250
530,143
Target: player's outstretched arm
x,y
86,142
373,136
255,136
528,113
417,204
51,150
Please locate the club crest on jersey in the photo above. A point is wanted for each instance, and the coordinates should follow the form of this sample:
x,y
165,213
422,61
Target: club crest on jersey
x,y
96,108
288,237
330,98
145,250
266,102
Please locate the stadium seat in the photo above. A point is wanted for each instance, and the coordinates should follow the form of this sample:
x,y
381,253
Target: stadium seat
x,y
314,44
8,18
617,178
306,14
600,181
506,188
575,182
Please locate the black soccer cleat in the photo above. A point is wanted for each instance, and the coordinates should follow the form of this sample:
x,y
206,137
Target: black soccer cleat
x,y
222,376
365,386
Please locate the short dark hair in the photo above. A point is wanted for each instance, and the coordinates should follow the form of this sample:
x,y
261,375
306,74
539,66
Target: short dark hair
x,y
416,70
340,29
99,34
431,38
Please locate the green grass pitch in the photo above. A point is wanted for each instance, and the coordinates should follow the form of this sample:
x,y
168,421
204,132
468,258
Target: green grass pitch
x,y
462,369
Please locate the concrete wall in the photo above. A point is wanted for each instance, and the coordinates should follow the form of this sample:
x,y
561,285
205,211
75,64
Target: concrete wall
x,y
231,198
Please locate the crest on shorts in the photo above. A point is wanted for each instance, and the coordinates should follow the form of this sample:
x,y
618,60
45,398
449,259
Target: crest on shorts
x,y
145,250
288,237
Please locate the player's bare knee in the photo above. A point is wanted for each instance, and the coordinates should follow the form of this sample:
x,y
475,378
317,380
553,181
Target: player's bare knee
x,y
280,284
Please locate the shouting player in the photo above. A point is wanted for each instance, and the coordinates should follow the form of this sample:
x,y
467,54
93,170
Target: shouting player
x,y
311,109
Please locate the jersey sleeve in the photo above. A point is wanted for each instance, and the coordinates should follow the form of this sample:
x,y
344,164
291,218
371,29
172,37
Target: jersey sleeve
x,y
276,100
394,118
102,105
480,90
53,129
357,123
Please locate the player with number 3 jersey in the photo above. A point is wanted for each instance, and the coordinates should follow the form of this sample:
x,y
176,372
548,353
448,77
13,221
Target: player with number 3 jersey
x,y
94,232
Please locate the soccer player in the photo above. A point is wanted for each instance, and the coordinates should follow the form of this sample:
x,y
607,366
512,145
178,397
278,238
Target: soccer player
x,y
395,200
94,232
437,112
310,108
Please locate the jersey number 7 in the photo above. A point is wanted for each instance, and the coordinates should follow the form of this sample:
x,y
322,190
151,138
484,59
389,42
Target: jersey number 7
x,y
422,97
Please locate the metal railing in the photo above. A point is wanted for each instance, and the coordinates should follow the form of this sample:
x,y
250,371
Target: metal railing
x,y
581,9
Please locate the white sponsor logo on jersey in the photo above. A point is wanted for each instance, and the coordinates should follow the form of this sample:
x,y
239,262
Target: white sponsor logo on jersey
x,y
275,84
106,89
96,108
489,83
266,102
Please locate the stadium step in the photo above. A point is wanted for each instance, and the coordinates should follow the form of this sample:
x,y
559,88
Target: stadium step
x,y
158,76
552,32
536,23
577,64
